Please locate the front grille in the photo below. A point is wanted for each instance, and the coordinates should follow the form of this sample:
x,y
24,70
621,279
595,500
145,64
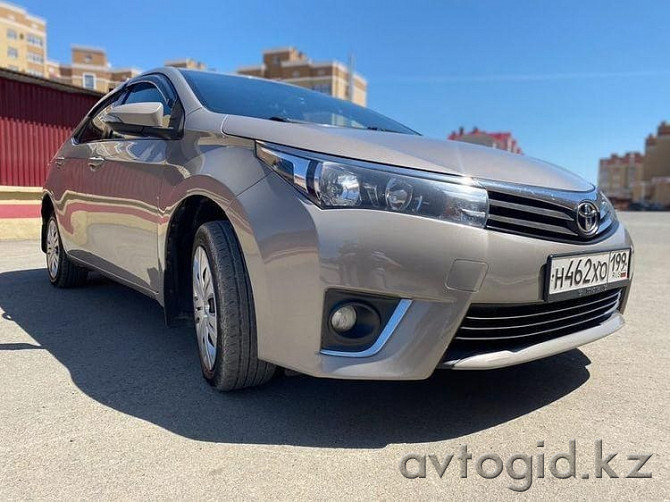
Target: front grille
x,y
543,214
494,326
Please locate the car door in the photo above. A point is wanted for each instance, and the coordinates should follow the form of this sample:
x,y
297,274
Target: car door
x,y
123,179
71,162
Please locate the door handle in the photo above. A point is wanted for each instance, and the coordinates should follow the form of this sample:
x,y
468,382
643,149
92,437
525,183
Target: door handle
x,y
95,162
60,161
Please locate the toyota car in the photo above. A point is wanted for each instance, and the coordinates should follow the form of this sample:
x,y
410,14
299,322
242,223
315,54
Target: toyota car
x,y
294,230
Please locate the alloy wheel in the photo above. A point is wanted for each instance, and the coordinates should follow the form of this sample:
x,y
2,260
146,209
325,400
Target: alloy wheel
x,y
53,249
204,307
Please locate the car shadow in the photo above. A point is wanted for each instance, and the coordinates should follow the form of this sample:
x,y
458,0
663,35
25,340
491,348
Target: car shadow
x,y
118,351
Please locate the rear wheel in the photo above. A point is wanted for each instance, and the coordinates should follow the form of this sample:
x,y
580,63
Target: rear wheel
x,y
62,272
223,308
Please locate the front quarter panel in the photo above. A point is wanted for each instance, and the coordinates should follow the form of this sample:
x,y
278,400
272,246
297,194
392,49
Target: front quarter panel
x,y
207,165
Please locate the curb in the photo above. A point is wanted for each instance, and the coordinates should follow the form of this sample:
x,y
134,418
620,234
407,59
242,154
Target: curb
x,y
13,229
20,194
20,212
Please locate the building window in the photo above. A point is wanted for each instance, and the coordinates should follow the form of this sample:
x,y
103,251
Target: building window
x,y
323,88
35,58
13,67
322,72
296,73
275,59
34,40
12,35
35,73
12,52
88,80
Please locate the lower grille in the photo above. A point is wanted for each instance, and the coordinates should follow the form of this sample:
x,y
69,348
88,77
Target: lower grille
x,y
510,326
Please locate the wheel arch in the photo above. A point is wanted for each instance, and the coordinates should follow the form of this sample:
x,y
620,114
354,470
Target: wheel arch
x,y
191,212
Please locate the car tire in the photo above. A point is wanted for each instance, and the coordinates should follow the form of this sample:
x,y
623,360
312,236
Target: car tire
x,y
223,305
61,271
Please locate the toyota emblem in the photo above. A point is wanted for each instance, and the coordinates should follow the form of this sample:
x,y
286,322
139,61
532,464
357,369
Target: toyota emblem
x,y
588,218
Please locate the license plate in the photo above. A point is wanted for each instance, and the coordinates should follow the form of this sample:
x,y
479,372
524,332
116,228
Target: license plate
x,y
584,274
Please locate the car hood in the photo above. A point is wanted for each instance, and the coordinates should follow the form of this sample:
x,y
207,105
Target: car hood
x,y
404,150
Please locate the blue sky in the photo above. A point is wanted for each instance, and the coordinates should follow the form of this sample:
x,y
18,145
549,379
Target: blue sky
x,y
573,80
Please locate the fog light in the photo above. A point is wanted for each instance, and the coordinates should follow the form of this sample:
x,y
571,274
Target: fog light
x,y
343,319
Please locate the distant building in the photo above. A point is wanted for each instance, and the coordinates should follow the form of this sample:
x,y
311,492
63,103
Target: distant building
x,y
23,41
618,175
500,140
657,153
637,177
292,66
188,63
655,186
89,69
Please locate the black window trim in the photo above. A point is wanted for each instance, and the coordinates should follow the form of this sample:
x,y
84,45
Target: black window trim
x,y
158,80
129,90
104,102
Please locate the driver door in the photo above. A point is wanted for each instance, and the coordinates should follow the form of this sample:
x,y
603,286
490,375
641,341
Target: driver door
x,y
122,180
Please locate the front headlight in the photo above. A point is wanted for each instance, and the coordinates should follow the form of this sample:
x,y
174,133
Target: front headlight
x,y
344,183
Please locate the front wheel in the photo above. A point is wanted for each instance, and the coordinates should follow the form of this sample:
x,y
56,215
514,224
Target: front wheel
x,y
62,272
223,307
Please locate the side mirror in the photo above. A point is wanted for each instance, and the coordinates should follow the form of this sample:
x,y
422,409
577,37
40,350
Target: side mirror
x,y
138,119
137,114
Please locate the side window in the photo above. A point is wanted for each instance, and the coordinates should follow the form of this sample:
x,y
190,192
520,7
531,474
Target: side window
x,y
145,92
94,129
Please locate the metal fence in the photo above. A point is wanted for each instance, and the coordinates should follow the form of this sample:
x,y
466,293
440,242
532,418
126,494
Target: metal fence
x,y
36,116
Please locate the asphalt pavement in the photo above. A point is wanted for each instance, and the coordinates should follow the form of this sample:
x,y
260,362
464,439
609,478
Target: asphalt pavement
x,y
98,399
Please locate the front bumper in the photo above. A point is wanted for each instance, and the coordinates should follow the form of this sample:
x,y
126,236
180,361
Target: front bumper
x,y
296,252
502,358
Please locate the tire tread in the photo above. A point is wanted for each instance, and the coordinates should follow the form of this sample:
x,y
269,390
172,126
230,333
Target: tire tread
x,y
69,275
240,366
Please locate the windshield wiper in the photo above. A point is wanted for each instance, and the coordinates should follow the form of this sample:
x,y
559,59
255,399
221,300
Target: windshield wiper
x,y
377,128
277,118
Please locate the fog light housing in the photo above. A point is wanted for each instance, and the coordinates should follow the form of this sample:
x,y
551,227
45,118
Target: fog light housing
x,y
343,318
353,321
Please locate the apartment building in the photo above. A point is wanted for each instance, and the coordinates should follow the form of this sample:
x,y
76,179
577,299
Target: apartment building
x,y
637,177
500,140
89,69
188,63
330,77
23,40
619,174
655,185
657,153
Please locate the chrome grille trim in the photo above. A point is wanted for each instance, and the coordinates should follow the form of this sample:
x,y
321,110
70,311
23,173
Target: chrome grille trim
x,y
530,320
609,307
615,295
532,224
537,210
604,316
542,213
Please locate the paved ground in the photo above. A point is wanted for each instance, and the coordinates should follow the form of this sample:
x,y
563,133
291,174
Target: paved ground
x,y
98,399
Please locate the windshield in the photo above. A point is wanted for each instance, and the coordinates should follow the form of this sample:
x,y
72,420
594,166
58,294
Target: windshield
x,y
264,99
